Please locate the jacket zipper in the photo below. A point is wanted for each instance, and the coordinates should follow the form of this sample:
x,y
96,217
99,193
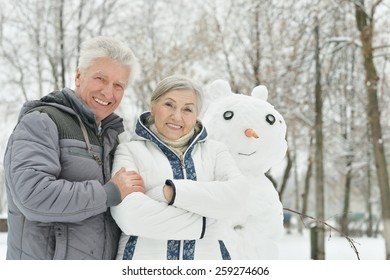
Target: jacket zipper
x,y
182,163
183,166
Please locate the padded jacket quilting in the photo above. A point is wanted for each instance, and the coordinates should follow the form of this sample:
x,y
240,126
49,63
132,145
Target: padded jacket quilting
x,y
56,188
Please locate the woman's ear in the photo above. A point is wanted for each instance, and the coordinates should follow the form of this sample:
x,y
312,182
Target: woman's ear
x,y
152,110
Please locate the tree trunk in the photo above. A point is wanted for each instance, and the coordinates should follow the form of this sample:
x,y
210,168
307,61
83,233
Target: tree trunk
x,y
309,173
306,188
319,157
257,45
347,195
62,43
347,135
370,221
286,175
365,25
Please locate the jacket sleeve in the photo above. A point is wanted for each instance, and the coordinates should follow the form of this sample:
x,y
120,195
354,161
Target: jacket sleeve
x,y
140,215
32,170
221,198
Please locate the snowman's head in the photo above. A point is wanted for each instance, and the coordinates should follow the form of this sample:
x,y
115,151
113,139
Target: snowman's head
x,y
250,126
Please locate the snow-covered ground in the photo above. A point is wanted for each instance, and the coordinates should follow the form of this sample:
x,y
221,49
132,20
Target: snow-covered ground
x,y
294,263
297,247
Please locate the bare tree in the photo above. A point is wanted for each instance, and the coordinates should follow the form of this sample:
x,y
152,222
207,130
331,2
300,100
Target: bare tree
x,y
222,40
343,104
61,40
368,190
2,19
319,158
365,24
308,176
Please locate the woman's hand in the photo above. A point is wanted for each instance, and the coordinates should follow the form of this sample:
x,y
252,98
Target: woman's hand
x,y
168,192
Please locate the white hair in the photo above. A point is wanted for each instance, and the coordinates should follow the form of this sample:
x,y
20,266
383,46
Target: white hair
x,y
100,47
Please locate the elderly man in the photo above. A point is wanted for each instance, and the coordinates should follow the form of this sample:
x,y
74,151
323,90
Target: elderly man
x,y
58,162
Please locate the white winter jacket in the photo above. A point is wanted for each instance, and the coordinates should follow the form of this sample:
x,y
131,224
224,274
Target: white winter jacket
x,y
208,186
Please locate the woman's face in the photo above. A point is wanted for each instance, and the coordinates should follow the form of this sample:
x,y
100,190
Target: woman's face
x,y
175,113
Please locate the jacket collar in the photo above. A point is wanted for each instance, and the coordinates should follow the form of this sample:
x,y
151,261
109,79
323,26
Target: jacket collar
x,y
145,133
68,101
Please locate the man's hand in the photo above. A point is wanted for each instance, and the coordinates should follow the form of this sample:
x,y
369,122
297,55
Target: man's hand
x,y
128,182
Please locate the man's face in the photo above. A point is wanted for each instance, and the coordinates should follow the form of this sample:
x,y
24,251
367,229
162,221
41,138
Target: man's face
x,y
102,86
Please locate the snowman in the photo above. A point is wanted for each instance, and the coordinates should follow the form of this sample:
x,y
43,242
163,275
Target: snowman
x,y
256,135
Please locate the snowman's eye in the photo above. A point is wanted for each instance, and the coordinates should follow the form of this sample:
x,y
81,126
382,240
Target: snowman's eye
x,y
270,119
228,115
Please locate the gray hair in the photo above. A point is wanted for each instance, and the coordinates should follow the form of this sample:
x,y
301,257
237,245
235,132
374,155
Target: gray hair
x,y
176,82
100,47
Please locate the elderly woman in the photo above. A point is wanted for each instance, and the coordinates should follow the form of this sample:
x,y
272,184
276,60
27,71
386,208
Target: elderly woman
x,y
190,182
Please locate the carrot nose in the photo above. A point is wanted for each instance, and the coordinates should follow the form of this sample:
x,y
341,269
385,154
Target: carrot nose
x,y
251,133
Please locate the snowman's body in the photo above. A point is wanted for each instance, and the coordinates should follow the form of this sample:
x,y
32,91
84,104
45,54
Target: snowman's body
x,y
255,133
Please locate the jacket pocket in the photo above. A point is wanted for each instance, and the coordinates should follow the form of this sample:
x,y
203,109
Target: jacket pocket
x,y
78,164
79,152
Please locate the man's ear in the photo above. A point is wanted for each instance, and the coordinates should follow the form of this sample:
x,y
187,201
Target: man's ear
x,y
77,78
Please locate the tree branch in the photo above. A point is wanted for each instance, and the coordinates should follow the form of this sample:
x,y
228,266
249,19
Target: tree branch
x,y
350,240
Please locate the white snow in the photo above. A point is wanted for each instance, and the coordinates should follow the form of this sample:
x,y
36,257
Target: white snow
x,y
297,247
294,263
3,245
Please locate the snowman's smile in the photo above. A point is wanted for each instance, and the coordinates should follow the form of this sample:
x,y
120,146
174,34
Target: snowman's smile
x,y
247,154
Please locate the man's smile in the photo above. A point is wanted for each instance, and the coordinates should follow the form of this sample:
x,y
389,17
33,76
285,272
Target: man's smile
x,y
101,102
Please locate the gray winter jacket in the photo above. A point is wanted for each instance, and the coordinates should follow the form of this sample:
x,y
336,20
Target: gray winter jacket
x,y
57,174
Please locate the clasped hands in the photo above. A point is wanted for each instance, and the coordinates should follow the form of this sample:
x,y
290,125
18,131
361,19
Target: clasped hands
x,y
130,181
